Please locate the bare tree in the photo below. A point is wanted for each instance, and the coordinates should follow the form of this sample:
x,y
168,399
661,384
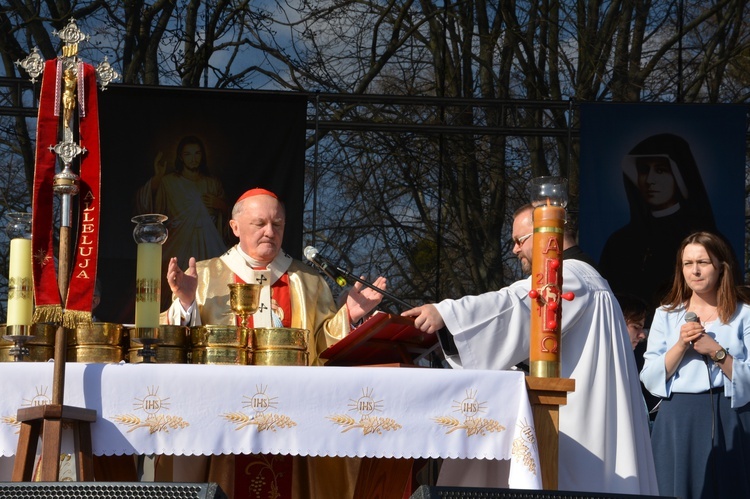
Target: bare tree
x,y
422,186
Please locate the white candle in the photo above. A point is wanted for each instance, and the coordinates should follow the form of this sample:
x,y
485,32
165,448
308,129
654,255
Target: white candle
x,y
20,295
148,285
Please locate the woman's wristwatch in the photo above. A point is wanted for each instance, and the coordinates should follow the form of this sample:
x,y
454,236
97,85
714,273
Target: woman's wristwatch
x,y
719,356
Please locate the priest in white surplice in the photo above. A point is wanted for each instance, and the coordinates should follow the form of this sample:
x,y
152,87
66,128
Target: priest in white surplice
x,y
604,437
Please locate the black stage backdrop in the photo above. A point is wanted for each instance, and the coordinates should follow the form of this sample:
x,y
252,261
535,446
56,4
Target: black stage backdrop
x,y
249,139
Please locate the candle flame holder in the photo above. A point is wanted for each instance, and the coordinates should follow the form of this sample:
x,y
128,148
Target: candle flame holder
x,y
19,225
550,191
150,228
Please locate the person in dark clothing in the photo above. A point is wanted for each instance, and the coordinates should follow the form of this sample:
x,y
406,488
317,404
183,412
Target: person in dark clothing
x,y
638,317
571,250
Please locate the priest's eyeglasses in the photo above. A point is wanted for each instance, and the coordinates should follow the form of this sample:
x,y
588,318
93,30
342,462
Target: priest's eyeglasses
x,y
520,240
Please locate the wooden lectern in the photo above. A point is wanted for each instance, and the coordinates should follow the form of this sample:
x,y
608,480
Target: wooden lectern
x,y
383,339
47,421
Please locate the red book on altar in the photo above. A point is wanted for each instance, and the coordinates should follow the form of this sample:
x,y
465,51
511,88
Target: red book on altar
x,y
381,339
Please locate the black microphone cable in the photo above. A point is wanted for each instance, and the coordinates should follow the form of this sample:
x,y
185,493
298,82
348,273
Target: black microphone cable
x,y
692,317
712,453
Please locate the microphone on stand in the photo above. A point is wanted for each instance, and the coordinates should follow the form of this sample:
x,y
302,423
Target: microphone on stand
x,y
325,266
341,275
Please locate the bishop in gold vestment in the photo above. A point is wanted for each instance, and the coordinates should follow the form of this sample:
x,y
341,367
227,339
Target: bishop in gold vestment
x,y
293,295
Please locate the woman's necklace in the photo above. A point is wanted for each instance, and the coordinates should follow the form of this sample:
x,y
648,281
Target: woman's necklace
x,y
710,317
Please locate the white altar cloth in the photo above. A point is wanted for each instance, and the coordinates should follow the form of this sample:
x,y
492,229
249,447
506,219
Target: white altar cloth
x,y
184,409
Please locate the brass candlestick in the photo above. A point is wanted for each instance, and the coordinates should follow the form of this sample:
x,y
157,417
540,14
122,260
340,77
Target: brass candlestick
x,y
19,350
150,338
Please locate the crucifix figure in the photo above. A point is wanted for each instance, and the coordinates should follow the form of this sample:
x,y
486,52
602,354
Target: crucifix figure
x,y
69,97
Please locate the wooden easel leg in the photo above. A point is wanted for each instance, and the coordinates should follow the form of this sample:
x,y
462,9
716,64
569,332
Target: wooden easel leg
x,y
547,421
23,466
51,444
83,449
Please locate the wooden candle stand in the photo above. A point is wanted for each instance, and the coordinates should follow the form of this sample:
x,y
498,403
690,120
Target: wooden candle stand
x,y
546,395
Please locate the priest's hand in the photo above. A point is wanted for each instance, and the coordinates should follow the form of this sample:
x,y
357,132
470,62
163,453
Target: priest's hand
x,y
426,318
183,284
360,300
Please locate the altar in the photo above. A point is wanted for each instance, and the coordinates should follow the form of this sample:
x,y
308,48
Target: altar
x,y
185,409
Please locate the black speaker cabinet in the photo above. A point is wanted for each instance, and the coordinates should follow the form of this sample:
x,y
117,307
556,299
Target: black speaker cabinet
x,y
110,490
427,492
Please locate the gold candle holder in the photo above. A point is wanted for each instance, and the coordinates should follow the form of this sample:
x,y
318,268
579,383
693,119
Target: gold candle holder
x,y
150,338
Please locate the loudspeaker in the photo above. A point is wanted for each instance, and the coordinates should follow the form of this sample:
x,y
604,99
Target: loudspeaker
x,y
427,492
110,490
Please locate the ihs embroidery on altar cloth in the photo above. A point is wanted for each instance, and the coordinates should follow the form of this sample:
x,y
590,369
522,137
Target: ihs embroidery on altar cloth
x,y
154,407
366,406
263,416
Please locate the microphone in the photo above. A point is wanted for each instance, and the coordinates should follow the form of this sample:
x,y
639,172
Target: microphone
x,y
693,317
325,266
343,276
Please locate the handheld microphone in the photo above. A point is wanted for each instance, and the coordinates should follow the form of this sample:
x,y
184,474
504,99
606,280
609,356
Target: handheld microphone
x,y
325,266
693,317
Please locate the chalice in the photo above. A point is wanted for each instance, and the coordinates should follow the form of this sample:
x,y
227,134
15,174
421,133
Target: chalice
x,y
244,300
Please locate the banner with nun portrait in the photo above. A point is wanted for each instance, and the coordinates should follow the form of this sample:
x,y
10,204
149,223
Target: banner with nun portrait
x,y
651,174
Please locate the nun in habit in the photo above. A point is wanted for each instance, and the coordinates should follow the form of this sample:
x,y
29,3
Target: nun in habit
x,y
667,201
